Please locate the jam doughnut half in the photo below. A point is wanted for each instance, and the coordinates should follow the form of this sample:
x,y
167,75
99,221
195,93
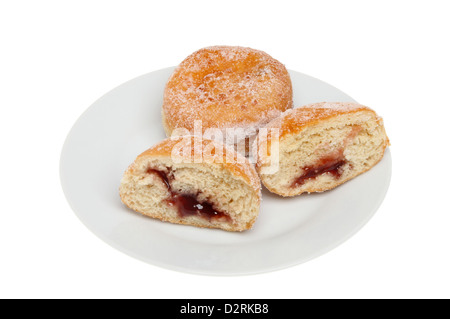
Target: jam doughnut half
x,y
320,146
193,181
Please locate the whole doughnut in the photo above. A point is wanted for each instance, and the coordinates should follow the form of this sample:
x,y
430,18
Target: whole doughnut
x,y
226,87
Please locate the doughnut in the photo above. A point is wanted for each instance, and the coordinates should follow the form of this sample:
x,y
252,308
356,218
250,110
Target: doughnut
x,y
226,87
318,147
193,181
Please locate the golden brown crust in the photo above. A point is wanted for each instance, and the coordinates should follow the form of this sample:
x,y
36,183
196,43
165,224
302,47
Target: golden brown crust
x,y
226,87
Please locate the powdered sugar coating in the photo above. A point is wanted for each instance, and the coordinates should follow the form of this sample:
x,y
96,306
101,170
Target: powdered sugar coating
x,y
226,87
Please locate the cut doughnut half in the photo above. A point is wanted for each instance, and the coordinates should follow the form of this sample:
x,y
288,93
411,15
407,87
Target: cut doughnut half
x,y
193,181
318,147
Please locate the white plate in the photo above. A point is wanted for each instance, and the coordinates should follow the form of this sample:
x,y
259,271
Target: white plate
x,y
288,231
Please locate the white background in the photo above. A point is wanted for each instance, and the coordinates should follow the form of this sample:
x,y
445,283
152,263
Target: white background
x,y
58,57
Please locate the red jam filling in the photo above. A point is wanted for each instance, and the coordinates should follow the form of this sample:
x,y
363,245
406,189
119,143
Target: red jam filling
x,y
187,204
331,165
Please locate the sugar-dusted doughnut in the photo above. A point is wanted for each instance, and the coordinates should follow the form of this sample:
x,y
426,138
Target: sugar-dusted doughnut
x,y
226,87
319,146
193,181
